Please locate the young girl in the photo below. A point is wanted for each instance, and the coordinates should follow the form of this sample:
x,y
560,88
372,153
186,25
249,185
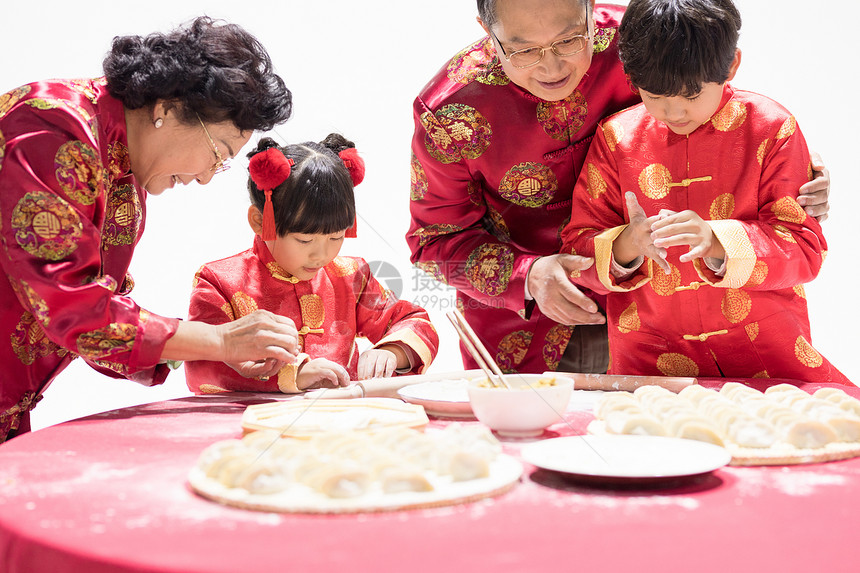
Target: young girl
x,y
302,207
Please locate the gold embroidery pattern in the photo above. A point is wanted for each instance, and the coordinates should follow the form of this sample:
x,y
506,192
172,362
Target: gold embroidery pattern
x,y
752,330
46,226
2,148
29,341
9,99
211,389
595,185
806,354
37,304
227,309
555,344
654,181
243,304
736,305
11,418
762,374
53,103
432,269
418,179
85,87
800,291
477,62
759,274
457,131
788,210
107,282
784,234
312,309
116,338
788,128
489,268
425,234
127,285
529,184
563,118
629,320
722,207
613,132
664,284
122,217
79,172
473,188
498,227
512,350
119,162
674,364
731,117
113,366
603,38
343,266
763,150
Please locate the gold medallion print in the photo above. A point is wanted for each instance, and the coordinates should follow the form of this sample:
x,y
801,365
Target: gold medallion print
x,y
313,311
473,188
629,320
425,234
489,267
37,304
722,207
789,210
603,38
762,374
477,62
788,128
555,344
115,338
664,284
752,330
29,341
432,268
783,233
9,99
418,179
344,266
123,216
79,172
763,150
243,304
46,226
759,274
736,305
731,117
119,163
674,364
654,181
227,309
457,131
512,350
595,184
800,291
529,184
562,119
498,228
806,354
2,148
613,132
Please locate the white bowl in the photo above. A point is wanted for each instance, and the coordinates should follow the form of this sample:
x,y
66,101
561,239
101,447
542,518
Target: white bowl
x,y
524,410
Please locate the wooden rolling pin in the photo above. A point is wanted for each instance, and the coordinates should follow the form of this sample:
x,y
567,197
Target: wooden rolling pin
x,y
387,387
608,382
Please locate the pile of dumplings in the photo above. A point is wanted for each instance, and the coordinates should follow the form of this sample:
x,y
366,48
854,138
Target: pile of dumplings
x,y
343,465
744,420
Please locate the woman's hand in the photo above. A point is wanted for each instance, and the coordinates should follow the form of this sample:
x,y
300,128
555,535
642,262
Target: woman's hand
x,y
321,373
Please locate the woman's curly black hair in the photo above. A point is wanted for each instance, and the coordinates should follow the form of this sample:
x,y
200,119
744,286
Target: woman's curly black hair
x,y
317,198
210,68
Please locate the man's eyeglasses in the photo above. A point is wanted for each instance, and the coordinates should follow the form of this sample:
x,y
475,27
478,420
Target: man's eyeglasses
x,y
221,164
563,48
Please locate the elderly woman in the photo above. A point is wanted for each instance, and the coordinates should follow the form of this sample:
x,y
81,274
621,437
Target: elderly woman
x,y
77,159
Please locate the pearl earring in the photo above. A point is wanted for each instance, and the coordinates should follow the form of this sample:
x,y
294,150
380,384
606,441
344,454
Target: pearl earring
x,y
158,123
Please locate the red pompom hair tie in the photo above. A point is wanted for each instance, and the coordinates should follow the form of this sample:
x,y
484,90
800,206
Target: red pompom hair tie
x,y
355,165
269,169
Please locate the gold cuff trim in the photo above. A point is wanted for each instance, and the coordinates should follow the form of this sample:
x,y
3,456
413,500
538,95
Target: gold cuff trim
x,y
414,342
288,375
740,254
603,261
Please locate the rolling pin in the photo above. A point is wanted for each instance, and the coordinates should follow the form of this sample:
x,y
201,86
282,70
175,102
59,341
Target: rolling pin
x,y
609,382
387,387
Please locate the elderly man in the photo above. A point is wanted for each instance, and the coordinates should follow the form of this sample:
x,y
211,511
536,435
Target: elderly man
x,y
501,133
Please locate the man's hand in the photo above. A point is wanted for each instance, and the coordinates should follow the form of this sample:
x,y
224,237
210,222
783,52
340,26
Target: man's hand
x,y
557,297
814,195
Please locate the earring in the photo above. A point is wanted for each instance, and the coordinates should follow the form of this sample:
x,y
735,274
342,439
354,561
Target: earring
x,y
158,123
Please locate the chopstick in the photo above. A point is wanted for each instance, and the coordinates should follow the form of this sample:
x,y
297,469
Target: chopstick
x,y
477,349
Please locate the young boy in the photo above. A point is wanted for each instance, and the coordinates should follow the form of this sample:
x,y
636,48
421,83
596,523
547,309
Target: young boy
x,y
711,176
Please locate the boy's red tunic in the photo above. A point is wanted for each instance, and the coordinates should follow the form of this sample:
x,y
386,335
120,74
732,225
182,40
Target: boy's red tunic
x,y
493,169
343,301
741,172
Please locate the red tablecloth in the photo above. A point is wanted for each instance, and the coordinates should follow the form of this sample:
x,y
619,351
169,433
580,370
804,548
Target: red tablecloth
x,y
108,493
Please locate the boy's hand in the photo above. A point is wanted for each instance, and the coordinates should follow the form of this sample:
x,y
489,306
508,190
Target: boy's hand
x,y
376,363
321,373
686,228
637,236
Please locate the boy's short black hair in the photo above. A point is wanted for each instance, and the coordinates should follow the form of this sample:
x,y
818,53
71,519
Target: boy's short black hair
x,y
672,47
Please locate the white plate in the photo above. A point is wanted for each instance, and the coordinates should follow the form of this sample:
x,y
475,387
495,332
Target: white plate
x,y
626,457
444,398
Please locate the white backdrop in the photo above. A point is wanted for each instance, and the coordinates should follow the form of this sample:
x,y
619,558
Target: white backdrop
x,y
355,67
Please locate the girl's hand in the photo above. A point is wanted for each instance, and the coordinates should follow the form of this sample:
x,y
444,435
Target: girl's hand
x,y
376,363
321,373
636,239
687,228
256,338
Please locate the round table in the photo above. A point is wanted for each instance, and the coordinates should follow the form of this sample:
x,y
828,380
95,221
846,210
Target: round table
x,y
108,493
